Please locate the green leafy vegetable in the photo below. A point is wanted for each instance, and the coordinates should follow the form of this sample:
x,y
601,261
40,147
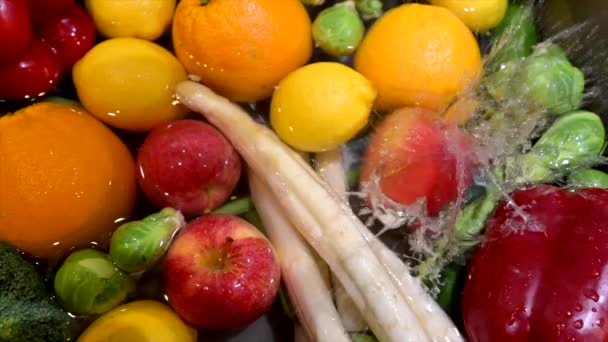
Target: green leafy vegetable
x,y
137,246
573,141
88,282
544,80
514,38
338,29
588,178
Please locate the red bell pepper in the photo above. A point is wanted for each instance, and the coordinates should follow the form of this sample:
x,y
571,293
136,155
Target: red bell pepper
x,y
543,275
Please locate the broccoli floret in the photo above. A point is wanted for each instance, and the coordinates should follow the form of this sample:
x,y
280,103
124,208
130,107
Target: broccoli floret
x,y
18,276
31,321
27,313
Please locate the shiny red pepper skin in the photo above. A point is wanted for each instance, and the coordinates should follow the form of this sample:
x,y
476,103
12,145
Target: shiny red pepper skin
x,y
544,278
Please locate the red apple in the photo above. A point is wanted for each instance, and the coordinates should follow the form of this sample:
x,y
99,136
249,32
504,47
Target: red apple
x,y
72,33
188,165
413,156
221,273
33,74
15,29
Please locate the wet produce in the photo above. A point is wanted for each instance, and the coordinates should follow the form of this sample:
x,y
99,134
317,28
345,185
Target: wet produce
x,y
65,180
88,282
141,320
40,45
550,82
409,160
478,15
316,123
338,30
138,245
139,19
221,273
26,310
588,178
128,83
301,170
188,165
572,142
539,275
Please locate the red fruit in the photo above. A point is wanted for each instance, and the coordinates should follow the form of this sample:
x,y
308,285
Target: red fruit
x,y
72,33
43,10
413,156
36,72
15,29
188,165
221,273
543,277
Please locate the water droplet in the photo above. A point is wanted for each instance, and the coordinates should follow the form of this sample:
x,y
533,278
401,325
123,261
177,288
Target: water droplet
x,y
579,307
578,324
568,313
600,322
591,294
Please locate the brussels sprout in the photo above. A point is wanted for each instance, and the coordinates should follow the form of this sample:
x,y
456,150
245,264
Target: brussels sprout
x,y
514,38
369,9
588,178
551,82
573,141
544,80
338,30
136,246
88,282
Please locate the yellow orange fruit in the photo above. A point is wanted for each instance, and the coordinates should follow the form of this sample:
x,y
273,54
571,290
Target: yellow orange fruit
x,y
139,321
129,83
242,49
320,106
478,15
418,55
65,179
141,19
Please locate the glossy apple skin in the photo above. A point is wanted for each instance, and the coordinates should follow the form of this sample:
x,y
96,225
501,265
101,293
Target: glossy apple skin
x,y
545,278
188,165
413,155
221,273
45,10
72,33
34,73
15,29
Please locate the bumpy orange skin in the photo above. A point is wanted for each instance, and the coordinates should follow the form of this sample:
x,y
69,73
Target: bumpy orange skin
x,y
418,55
64,179
242,49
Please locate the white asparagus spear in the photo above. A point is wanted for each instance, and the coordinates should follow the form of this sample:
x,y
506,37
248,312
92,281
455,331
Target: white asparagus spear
x,y
305,284
329,165
309,203
435,321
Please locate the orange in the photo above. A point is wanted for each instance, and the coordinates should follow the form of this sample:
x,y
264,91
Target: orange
x,y
65,178
242,49
418,55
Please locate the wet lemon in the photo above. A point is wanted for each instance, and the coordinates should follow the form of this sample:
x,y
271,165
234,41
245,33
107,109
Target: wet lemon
x,y
142,19
478,15
129,83
139,321
321,105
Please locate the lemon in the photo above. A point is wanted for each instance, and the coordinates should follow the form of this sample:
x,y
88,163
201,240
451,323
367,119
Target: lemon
x,y
478,15
147,19
321,105
129,83
139,321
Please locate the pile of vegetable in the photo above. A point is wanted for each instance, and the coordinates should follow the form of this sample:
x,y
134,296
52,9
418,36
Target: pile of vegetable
x,y
360,170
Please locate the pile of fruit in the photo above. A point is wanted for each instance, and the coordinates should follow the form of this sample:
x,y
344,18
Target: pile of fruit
x,y
171,170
